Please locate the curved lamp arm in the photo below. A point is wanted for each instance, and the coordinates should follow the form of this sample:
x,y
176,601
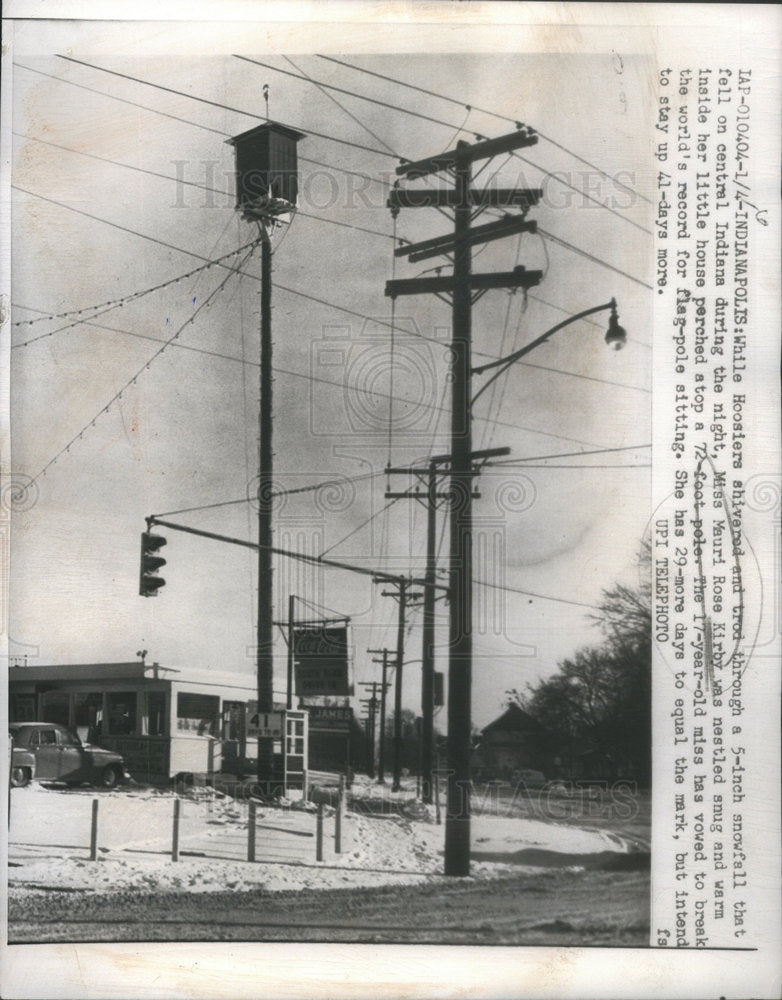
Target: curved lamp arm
x,y
615,337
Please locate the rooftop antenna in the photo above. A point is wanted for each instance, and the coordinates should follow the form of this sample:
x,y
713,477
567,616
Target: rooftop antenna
x,y
266,98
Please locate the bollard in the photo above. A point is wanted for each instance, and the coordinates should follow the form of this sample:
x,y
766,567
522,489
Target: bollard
x,y
319,834
251,833
94,832
175,837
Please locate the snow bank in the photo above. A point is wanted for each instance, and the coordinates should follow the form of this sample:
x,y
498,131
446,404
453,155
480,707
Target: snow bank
x,y
50,836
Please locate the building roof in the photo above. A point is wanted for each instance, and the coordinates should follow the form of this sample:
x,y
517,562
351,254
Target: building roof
x,y
134,671
266,128
513,720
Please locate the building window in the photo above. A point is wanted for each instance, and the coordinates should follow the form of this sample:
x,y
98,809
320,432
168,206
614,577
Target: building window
x,y
56,707
24,708
295,737
233,720
156,713
197,713
88,715
122,712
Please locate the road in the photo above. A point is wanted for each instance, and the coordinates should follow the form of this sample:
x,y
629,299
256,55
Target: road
x,y
566,907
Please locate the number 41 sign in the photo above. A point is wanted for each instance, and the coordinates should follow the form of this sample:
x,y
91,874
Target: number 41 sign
x,y
267,725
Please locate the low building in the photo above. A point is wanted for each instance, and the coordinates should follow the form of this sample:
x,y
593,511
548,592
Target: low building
x,y
512,743
165,722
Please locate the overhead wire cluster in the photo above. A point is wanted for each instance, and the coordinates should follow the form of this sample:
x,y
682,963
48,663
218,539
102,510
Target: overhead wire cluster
x,y
95,311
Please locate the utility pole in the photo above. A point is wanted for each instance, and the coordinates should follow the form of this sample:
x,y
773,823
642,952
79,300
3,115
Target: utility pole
x,y
289,685
464,288
265,531
433,471
381,760
404,597
371,704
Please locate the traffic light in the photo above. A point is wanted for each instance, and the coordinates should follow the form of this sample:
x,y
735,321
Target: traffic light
x,y
439,694
149,582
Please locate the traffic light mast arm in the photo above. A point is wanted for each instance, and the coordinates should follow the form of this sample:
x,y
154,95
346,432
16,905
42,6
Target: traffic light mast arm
x,y
300,556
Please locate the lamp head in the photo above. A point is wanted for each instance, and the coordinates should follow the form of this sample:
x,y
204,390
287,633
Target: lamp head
x,y
616,337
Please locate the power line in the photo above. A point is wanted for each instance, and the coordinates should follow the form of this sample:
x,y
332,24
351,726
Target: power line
x,y
584,194
114,225
530,593
185,121
547,235
341,90
156,340
550,236
645,465
494,114
224,107
292,291
568,454
201,187
118,395
105,307
360,526
439,409
437,121
350,115
592,257
587,378
276,493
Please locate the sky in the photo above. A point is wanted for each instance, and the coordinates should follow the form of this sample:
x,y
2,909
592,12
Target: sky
x,y
121,186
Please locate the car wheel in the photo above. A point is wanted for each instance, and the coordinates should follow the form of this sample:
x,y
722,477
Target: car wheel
x,y
109,777
20,776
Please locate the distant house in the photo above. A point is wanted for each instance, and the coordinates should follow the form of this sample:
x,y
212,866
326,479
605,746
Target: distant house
x,y
511,743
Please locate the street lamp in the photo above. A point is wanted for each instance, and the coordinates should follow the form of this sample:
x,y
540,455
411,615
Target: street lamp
x,y
616,338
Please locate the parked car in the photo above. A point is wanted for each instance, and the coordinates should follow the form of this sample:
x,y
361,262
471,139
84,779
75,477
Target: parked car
x,y
22,767
59,755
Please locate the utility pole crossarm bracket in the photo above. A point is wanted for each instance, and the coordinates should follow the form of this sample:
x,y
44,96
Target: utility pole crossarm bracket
x,y
519,277
507,226
487,198
468,154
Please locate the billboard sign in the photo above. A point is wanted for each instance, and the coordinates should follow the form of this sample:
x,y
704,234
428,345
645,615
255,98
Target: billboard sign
x,y
320,655
334,718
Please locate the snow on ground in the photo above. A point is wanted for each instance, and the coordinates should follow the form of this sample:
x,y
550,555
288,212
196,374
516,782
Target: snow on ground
x,y
49,843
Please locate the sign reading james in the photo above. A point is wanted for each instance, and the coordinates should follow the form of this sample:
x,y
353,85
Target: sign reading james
x,y
332,718
321,658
